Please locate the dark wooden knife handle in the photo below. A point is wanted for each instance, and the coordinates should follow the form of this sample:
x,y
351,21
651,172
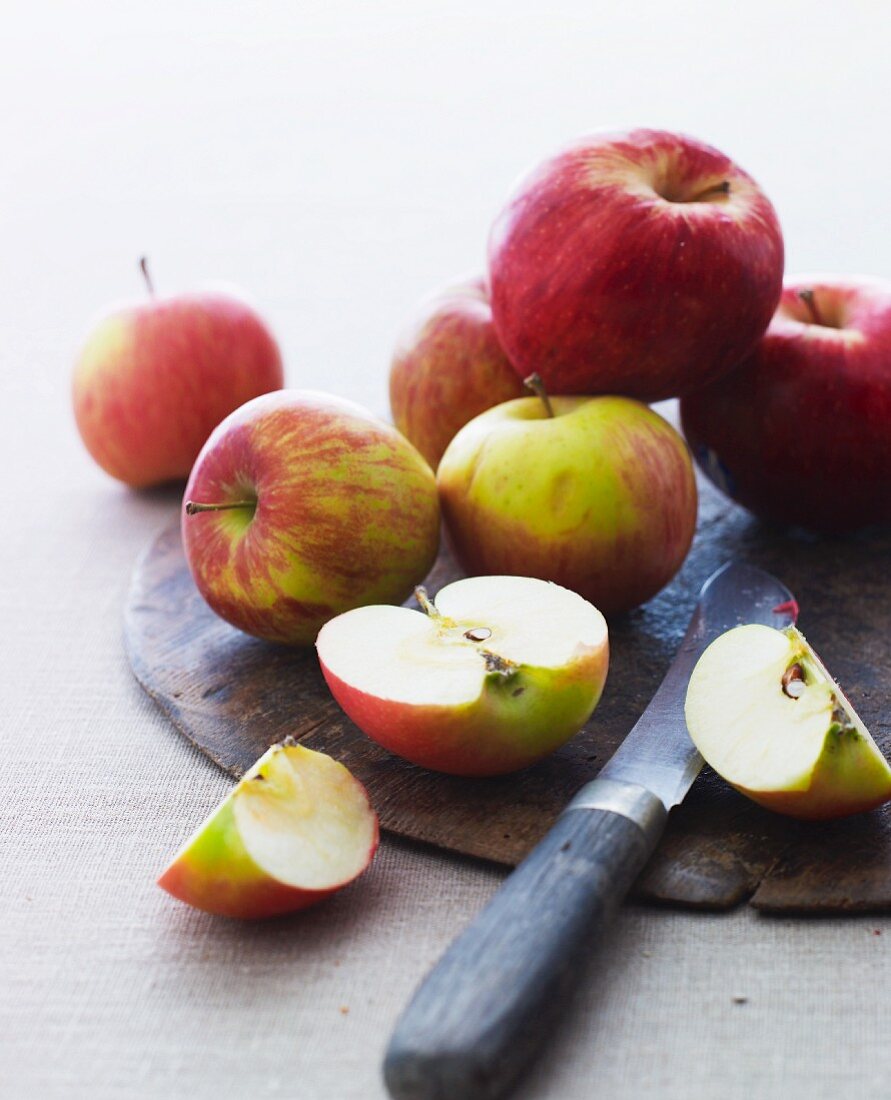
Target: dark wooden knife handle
x,y
480,1014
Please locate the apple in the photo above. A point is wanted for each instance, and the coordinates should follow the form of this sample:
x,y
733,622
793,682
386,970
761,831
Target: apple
x,y
768,717
448,367
800,432
302,505
643,263
595,493
498,673
154,378
297,828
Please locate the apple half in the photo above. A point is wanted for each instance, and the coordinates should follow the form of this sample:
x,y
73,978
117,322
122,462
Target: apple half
x,y
295,829
768,717
498,673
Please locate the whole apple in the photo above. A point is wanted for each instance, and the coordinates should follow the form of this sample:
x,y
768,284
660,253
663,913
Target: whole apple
x,y
448,367
154,379
643,263
595,493
800,432
302,505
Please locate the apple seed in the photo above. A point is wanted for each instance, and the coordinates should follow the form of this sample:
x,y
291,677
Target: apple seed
x,y
478,634
793,681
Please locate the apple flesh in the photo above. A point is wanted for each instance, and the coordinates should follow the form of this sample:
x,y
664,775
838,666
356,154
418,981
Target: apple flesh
x,y
297,828
499,673
643,263
302,505
768,717
800,432
447,368
599,497
154,379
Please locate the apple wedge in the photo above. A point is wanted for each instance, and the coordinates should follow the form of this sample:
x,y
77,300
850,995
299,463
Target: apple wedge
x,y
295,829
497,674
768,717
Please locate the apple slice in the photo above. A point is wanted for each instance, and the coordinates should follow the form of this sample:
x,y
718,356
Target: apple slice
x,y
295,829
497,674
768,717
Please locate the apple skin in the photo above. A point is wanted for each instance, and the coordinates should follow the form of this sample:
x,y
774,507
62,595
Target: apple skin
x,y
800,432
346,514
607,277
841,786
154,379
516,720
216,873
601,498
448,367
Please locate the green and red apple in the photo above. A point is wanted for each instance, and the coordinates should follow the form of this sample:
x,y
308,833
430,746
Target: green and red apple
x,y
643,263
154,378
301,506
297,828
800,432
448,367
767,716
594,493
498,673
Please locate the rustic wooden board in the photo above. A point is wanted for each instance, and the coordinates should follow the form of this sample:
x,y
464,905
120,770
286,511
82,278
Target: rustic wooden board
x,y
233,696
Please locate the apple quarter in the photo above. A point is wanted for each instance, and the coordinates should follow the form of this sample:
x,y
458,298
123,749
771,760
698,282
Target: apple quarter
x,y
295,829
767,716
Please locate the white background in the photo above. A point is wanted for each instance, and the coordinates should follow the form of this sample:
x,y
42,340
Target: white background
x,y
337,161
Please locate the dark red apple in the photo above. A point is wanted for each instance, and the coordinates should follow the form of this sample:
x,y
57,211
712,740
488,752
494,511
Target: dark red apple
x,y
643,263
800,432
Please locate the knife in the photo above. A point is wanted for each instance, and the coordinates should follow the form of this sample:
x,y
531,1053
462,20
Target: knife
x,y
481,1013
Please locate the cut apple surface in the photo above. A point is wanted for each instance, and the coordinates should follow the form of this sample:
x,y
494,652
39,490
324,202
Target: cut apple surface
x,y
495,675
295,829
768,717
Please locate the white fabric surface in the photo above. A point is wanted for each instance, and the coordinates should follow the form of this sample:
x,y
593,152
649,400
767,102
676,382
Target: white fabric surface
x,y
338,160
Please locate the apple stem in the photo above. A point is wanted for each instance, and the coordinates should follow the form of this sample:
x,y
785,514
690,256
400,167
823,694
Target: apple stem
x,y
193,506
722,188
427,605
534,383
807,296
143,267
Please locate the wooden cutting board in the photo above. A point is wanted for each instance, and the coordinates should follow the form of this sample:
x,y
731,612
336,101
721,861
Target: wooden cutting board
x,y
233,696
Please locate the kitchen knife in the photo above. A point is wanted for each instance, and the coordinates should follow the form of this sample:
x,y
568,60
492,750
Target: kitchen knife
x,y
481,1013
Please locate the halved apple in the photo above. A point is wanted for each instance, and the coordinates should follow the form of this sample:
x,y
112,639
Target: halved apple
x,y
768,717
497,674
295,829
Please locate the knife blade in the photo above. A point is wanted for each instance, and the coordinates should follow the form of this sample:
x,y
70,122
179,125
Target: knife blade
x,y
480,1015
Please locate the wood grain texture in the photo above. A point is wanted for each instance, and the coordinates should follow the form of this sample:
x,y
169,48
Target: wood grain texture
x,y
233,696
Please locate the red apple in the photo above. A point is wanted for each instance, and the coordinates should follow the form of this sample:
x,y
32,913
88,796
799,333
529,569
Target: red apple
x,y
302,505
800,433
297,828
449,367
498,673
643,263
155,378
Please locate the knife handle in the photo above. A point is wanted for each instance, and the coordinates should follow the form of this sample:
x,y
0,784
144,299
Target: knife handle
x,y
479,1015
